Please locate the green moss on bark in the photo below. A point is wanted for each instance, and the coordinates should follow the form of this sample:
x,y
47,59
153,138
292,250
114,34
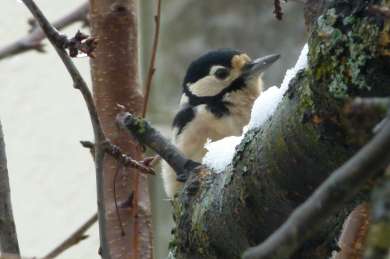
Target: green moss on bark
x,y
279,165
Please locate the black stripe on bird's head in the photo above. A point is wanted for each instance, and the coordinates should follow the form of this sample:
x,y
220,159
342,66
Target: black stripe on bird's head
x,y
219,72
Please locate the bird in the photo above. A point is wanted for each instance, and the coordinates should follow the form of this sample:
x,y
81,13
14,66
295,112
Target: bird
x,y
218,92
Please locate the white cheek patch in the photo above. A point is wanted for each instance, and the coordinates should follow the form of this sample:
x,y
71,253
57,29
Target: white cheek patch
x,y
207,86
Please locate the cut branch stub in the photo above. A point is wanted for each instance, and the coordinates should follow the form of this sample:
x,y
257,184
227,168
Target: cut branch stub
x,y
150,137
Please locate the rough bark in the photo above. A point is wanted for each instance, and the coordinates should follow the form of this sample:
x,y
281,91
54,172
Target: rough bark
x,y
311,133
8,238
115,81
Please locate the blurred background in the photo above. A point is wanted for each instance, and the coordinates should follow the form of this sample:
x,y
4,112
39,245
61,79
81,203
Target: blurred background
x,y
52,178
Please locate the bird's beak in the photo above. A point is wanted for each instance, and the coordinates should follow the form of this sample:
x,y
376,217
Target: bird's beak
x,y
258,66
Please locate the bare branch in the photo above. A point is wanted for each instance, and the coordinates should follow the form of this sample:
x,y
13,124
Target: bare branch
x,y
8,236
121,157
150,137
56,40
33,41
338,188
152,68
60,42
73,239
80,43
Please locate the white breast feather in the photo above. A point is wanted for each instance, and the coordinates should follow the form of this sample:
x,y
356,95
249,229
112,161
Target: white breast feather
x,y
206,126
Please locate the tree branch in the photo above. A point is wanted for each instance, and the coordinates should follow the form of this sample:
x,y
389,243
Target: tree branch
x,y
150,137
73,239
101,143
56,40
8,236
307,218
126,160
33,41
279,165
152,68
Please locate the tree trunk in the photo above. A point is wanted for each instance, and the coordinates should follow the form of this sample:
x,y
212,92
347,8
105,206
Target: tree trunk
x,y
8,238
277,166
115,81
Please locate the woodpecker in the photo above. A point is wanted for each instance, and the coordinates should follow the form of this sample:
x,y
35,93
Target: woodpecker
x,y
219,89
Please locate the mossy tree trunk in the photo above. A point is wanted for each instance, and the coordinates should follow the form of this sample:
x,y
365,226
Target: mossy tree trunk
x,y
277,166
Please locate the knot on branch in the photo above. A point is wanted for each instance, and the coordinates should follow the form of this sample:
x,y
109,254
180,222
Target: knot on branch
x,y
80,43
122,158
278,12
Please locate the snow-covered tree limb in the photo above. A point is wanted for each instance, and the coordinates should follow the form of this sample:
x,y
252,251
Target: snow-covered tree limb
x,y
278,166
282,160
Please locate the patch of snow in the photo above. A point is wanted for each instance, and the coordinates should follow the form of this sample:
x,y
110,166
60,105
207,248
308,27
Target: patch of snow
x,y
220,153
264,107
290,73
268,101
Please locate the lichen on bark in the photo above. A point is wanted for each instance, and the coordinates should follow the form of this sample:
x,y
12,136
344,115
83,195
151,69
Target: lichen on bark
x,y
277,166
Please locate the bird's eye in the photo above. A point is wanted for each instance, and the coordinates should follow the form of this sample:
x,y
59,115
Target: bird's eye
x,y
221,73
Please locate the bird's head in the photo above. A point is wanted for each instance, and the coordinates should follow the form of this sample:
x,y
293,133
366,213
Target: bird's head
x,y
217,73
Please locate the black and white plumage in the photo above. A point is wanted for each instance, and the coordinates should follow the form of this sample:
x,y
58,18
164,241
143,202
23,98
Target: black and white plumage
x,y
219,90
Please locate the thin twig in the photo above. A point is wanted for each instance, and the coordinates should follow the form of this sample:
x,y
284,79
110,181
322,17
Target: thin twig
x,y
150,137
33,41
338,188
117,173
152,68
56,40
8,236
73,239
125,160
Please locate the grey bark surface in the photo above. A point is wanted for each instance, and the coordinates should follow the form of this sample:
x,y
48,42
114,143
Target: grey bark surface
x,y
8,237
279,165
